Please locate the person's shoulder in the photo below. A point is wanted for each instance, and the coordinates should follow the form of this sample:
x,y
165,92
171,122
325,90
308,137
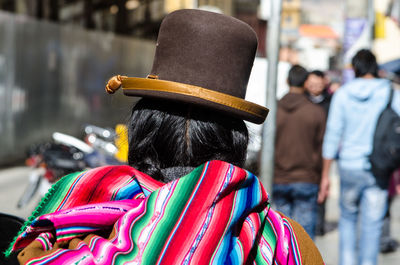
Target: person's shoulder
x,y
310,254
316,110
314,106
283,99
104,170
341,95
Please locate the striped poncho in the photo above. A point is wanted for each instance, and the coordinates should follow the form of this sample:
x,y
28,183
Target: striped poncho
x,y
217,214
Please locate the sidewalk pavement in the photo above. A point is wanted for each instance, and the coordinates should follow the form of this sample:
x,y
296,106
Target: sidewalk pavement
x,y
329,243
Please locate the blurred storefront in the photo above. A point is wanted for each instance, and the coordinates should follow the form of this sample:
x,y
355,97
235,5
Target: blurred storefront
x,y
291,21
387,30
371,24
308,37
140,18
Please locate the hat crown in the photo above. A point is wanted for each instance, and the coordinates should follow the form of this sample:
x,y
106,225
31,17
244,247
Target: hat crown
x,y
205,49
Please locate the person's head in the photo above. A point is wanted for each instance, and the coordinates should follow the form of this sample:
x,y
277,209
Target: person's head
x,y
364,63
192,111
315,83
164,134
297,76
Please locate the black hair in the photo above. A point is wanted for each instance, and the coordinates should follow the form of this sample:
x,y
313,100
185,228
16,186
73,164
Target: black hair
x,y
364,62
297,76
318,73
165,134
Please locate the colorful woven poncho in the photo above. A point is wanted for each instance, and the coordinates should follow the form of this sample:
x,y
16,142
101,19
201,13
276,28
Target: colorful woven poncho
x,y
217,214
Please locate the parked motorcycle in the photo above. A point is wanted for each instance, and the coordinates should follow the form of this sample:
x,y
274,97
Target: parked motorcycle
x,y
50,161
66,154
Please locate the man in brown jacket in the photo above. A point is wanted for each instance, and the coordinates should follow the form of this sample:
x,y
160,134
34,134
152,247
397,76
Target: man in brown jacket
x,y
298,159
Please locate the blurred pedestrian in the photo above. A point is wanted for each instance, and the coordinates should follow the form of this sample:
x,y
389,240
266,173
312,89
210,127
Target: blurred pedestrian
x,y
317,91
184,199
298,161
389,244
353,116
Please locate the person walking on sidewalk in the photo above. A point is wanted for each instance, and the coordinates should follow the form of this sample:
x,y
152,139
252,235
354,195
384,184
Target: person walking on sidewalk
x,y
317,92
316,89
351,124
298,160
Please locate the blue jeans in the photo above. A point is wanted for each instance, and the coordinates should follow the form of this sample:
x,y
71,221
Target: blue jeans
x,y
361,200
298,201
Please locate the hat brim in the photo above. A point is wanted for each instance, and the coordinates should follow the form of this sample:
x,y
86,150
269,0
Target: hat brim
x,y
163,89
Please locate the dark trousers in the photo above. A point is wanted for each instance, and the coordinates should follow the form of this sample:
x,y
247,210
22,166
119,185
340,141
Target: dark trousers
x,y
298,201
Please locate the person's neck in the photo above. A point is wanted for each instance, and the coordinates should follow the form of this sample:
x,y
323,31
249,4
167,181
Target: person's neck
x,y
368,76
296,90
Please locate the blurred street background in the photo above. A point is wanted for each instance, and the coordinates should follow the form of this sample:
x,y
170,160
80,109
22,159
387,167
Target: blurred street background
x,y
56,56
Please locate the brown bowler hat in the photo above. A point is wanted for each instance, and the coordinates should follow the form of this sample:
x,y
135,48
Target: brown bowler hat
x,y
201,58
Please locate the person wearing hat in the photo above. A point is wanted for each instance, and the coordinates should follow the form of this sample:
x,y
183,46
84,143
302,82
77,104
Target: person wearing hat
x,y
184,198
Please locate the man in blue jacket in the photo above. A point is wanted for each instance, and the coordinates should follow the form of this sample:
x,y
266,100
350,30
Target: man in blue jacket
x,y
353,115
